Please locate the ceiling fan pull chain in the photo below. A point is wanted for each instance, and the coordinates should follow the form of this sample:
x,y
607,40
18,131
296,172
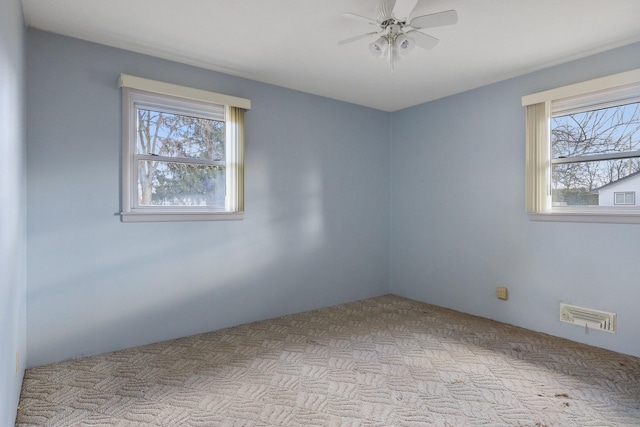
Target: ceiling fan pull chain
x,y
392,52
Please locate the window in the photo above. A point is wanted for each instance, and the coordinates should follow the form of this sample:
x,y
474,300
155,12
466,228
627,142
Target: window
x,y
182,153
624,198
583,151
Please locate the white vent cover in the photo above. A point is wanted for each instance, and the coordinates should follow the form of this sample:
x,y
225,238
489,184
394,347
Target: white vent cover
x,y
591,319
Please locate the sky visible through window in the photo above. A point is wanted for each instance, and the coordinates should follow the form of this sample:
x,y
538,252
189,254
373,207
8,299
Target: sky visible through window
x,y
607,131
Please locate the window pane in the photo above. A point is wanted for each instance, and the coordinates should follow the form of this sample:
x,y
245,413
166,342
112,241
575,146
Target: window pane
x,y
630,198
608,130
180,184
174,135
603,131
627,198
587,183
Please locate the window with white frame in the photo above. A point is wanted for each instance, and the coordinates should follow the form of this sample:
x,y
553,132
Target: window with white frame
x,y
182,153
624,198
583,144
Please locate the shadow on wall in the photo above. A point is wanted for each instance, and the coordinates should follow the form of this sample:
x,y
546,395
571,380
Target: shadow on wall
x,y
133,284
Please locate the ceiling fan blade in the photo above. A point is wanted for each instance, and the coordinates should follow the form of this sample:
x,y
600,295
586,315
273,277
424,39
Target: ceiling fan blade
x,y
423,40
356,38
403,8
360,18
384,9
440,19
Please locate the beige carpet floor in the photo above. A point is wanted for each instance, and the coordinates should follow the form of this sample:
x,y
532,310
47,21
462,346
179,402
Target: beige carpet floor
x,y
385,361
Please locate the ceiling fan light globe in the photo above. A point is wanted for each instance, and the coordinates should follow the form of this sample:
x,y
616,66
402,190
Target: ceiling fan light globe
x,y
404,44
375,50
379,47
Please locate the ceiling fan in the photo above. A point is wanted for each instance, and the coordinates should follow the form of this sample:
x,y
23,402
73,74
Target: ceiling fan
x,y
398,33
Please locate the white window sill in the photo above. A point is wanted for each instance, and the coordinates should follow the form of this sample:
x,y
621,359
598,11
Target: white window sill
x,y
180,216
609,217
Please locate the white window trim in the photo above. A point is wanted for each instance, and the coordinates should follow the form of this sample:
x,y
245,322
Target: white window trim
x,y
624,196
131,89
182,91
620,86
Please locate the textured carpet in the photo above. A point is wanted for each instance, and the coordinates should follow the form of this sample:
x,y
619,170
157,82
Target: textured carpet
x,y
385,361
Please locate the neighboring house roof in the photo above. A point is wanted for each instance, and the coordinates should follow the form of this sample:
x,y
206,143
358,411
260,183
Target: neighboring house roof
x,y
597,190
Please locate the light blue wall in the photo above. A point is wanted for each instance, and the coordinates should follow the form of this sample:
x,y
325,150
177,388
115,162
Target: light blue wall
x,y
459,229
12,208
318,197
315,231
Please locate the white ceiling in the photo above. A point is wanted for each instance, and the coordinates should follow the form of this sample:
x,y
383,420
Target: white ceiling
x,y
292,43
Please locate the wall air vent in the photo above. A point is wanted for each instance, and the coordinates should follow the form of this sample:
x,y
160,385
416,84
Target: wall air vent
x,y
588,318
